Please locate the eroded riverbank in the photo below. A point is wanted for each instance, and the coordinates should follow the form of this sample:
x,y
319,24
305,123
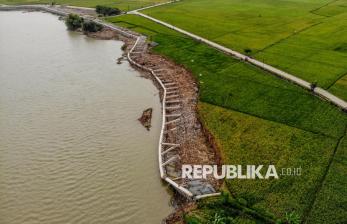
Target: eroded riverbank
x,y
194,147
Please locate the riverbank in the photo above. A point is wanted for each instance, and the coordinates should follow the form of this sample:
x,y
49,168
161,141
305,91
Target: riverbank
x,y
190,143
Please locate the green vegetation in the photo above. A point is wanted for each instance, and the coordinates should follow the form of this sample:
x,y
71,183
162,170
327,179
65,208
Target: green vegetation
x,y
107,11
315,53
331,203
229,210
256,118
250,140
90,26
306,38
124,5
74,22
224,210
339,88
332,8
232,84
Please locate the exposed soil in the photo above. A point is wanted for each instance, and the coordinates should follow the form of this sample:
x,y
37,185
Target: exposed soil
x,y
104,34
196,145
146,118
177,216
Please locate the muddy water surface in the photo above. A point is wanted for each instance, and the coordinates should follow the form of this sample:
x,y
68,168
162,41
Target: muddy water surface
x,y
71,148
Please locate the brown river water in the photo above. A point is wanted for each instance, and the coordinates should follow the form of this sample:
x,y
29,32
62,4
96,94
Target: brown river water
x,y
71,148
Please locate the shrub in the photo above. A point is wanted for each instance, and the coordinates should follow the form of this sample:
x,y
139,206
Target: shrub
x,y
313,86
73,22
91,26
248,51
107,11
292,218
191,220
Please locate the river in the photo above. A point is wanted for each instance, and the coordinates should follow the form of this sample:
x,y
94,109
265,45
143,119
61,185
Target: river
x,y
71,147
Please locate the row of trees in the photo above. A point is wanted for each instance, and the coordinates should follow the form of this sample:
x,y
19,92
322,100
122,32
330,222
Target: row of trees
x,y
107,11
74,22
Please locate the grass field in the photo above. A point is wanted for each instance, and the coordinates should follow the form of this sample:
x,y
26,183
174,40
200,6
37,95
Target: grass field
x,y
256,118
339,87
306,38
124,5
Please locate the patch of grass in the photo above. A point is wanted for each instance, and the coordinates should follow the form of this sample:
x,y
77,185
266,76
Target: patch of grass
x,y
333,8
223,210
339,88
342,47
232,84
296,36
331,203
248,140
316,54
124,5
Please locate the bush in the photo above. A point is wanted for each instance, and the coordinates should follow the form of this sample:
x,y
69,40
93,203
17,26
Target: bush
x,y
91,26
191,220
107,11
313,86
248,51
292,218
73,22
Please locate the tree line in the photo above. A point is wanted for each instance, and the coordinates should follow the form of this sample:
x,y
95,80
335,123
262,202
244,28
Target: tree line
x,y
107,11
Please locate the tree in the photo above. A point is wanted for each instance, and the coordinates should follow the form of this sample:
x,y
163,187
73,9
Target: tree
x,y
73,22
107,11
91,26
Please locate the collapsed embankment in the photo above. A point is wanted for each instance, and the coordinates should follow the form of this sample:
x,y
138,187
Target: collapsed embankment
x,y
195,144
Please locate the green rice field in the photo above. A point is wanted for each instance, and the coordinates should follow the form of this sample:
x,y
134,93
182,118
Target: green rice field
x,y
306,38
249,140
330,205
